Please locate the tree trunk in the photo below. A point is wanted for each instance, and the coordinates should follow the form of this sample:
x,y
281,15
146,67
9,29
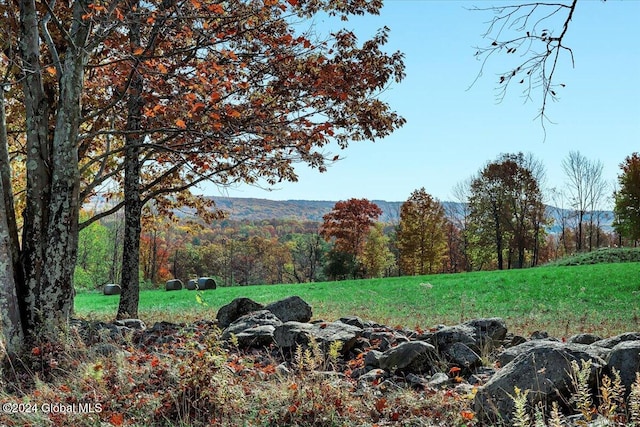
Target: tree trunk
x,y
10,319
38,185
130,284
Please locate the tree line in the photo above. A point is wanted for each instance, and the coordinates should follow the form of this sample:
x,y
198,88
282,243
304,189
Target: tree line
x,y
500,222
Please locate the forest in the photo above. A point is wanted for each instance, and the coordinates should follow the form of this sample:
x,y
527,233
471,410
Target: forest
x,y
499,222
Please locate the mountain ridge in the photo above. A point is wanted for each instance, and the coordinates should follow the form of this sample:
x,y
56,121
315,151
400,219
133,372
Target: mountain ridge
x,y
257,209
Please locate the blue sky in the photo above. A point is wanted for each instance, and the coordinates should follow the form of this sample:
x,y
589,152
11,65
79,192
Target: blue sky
x,y
452,131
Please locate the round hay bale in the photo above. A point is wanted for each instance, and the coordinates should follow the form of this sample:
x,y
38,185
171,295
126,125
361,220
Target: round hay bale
x,y
173,285
111,289
205,283
192,284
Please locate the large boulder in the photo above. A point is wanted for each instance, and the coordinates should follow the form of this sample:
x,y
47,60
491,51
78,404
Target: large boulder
x,y
236,309
544,372
625,358
291,309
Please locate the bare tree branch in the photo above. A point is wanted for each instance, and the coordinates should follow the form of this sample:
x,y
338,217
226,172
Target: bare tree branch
x,y
524,28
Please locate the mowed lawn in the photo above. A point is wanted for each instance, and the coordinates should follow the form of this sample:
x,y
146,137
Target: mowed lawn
x,y
600,298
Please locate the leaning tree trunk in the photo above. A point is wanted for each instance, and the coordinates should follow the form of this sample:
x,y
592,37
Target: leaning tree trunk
x,y
128,306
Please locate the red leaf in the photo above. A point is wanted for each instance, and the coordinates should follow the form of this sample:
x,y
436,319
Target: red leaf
x,y
116,419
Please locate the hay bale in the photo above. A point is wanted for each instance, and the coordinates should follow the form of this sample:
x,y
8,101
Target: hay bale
x,y
205,283
173,285
192,284
111,289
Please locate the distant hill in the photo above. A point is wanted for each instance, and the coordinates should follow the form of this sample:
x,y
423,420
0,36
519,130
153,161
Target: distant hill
x,y
301,210
312,210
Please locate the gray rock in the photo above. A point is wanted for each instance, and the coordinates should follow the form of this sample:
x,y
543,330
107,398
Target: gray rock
x,y
415,357
291,309
445,337
462,356
136,324
544,370
625,358
256,337
613,341
372,358
292,334
511,353
439,379
262,322
488,332
235,309
584,339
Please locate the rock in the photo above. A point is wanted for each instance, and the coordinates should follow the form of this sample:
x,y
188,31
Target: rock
x,y
292,309
439,379
173,285
511,353
544,371
625,358
207,283
416,381
584,339
136,324
447,336
488,332
613,341
292,334
256,328
256,337
372,358
415,357
462,356
111,289
236,309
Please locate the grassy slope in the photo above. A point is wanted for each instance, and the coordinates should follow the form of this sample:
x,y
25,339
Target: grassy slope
x,y
600,298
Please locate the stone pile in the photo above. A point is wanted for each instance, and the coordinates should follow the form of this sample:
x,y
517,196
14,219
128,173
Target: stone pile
x,y
479,357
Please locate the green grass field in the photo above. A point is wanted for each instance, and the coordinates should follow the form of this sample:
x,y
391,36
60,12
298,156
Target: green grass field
x,y
599,298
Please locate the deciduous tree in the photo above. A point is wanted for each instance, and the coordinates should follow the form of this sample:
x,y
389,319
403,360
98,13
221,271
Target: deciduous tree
x,y
507,210
421,234
376,258
168,94
585,188
349,223
627,199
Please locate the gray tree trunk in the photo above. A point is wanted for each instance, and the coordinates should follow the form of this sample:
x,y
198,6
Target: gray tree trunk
x,y
10,319
130,295
50,234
